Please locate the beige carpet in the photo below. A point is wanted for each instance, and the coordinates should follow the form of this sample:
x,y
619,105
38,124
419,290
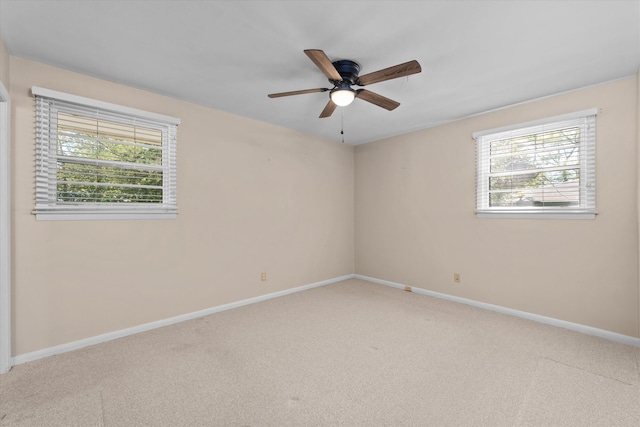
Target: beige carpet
x,y
352,353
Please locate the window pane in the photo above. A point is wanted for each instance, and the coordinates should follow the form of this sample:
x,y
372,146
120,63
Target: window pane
x,y
107,129
86,138
86,182
107,194
556,148
559,189
519,172
101,140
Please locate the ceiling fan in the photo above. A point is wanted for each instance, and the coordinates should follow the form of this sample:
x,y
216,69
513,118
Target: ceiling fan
x,y
343,74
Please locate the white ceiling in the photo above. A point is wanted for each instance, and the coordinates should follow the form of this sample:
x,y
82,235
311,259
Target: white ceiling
x,y
475,55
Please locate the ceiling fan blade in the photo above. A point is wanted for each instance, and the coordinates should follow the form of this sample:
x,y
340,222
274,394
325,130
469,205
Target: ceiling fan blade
x,y
400,70
328,109
322,61
297,92
379,100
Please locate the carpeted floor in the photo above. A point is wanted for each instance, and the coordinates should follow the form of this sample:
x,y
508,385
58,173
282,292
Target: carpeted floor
x,y
352,353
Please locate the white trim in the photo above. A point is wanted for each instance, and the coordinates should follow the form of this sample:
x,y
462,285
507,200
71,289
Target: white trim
x,y
76,345
5,233
560,118
88,102
101,216
535,215
588,330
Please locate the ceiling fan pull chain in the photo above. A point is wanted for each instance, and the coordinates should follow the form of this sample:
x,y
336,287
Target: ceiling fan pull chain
x,y
342,124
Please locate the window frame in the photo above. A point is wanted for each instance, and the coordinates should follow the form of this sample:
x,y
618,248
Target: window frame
x,y
586,119
47,206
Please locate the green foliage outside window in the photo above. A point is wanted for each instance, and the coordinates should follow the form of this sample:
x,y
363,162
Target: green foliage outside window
x,y
106,162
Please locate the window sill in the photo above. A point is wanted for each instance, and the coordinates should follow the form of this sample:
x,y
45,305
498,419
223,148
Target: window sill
x,y
536,215
103,216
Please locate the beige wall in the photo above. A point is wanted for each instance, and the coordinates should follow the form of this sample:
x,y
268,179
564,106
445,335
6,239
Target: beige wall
x,y
4,65
252,197
415,222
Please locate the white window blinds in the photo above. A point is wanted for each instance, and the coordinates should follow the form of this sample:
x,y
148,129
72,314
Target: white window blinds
x,y
546,167
99,160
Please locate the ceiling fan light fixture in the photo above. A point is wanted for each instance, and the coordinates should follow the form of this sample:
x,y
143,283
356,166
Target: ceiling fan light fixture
x,y
343,96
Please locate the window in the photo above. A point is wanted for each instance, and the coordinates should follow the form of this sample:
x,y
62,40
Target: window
x,y
538,169
96,160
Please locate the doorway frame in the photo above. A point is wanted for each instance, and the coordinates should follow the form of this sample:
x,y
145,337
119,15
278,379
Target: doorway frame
x,y
5,233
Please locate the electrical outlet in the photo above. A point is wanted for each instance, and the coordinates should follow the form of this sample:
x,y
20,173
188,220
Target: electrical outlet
x,y
263,276
456,277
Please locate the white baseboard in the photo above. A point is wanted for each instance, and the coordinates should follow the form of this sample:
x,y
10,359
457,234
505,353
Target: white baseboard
x,y
75,345
613,336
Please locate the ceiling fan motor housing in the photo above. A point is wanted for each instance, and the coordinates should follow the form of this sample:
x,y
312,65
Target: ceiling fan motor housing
x,y
348,70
